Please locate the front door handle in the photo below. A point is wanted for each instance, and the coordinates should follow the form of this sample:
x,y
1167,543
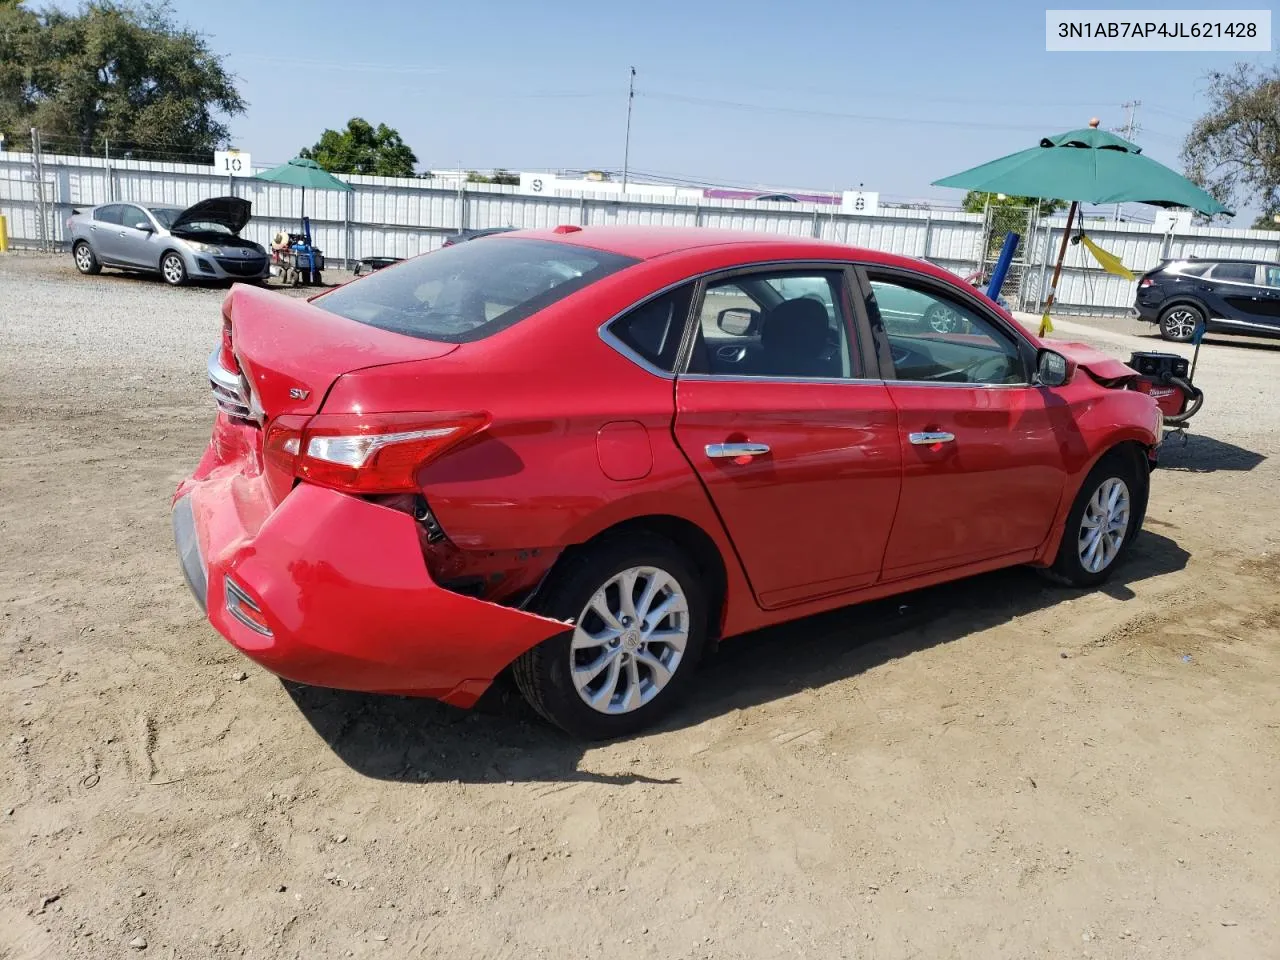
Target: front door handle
x,y
928,438
719,451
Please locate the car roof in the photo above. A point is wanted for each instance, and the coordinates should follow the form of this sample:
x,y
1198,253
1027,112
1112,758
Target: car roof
x,y
646,243
1209,261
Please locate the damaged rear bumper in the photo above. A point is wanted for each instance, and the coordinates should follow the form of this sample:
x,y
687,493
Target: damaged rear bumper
x,y
331,590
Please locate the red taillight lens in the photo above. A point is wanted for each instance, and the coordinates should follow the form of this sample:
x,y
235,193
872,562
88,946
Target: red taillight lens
x,y
365,453
1146,282
225,355
283,442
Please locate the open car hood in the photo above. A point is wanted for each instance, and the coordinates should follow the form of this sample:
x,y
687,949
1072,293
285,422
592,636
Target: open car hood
x,y
1101,366
230,212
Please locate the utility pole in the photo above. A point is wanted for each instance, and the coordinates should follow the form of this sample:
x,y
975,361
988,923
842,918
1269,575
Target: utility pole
x,y
1130,130
626,150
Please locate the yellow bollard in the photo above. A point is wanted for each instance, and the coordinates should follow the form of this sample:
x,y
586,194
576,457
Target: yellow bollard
x,y
4,233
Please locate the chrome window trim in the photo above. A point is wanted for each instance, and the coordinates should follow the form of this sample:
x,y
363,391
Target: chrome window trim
x,y
609,338
966,384
746,378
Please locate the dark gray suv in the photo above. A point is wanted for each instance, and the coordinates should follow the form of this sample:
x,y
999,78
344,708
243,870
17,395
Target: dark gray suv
x,y
1225,296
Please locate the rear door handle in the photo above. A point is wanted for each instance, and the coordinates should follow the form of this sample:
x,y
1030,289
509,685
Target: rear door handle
x,y
928,438
720,451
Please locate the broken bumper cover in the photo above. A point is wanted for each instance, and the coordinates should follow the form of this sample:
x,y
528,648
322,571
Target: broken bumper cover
x,y
342,592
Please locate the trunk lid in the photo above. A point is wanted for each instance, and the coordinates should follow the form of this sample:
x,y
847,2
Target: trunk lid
x,y
230,212
291,352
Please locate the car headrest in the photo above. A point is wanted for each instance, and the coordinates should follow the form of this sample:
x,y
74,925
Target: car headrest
x,y
797,327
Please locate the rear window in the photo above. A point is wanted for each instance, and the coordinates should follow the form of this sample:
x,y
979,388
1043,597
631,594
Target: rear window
x,y
1241,272
471,290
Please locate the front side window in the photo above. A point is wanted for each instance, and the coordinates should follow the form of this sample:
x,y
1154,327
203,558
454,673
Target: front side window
x,y
1272,276
654,329
783,324
934,338
131,216
1239,272
469,291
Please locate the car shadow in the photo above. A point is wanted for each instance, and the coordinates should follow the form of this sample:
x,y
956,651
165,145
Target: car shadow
x,y
1217,340
415,740
1198,453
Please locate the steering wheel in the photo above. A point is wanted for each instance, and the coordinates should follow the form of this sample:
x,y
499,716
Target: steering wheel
x,y
731,353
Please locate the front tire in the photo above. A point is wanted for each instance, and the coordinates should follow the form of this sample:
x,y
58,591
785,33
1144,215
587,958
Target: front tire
x,y
173,269
639,616
1105,518
1180,322
86,260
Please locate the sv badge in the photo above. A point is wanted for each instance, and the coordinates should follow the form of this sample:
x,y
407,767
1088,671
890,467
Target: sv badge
x,y
297,393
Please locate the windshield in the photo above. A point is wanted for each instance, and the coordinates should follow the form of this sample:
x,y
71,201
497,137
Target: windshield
x,y
467,292
164,215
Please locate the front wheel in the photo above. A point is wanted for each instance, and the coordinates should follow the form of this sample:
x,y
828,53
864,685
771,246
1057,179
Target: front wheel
x,y
1179,323
639,623
1103,522
173,269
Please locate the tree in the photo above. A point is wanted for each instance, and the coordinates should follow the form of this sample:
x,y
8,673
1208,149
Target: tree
x,y
125,73
975,201
498,176
361,148
1007,214
1233,151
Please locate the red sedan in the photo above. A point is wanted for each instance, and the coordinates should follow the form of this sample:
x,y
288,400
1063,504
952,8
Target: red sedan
x,y
587,453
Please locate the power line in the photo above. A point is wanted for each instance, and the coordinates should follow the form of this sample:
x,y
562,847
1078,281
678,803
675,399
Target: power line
x,y
838,115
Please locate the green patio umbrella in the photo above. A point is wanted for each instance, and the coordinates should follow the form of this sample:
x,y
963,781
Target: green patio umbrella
x,y
304,173
1084,166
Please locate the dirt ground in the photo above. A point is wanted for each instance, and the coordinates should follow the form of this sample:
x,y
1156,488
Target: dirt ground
x,y
996,768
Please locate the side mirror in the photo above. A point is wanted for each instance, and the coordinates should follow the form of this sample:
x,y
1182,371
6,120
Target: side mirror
x,y
737,321
144,227
1052,369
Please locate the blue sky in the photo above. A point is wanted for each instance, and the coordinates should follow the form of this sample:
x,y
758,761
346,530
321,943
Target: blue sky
x,y
537,85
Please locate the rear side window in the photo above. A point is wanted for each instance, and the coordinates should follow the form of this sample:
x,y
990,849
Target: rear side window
x,y
1240,272
111,213
653,330
469,291
1188,269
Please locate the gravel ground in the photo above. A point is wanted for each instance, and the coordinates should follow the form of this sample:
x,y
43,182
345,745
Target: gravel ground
x,y
995,768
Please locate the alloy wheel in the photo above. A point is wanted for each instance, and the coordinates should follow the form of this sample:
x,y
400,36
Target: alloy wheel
x,y
84,258
1104,525
1180,324
629,640
173,269
942,319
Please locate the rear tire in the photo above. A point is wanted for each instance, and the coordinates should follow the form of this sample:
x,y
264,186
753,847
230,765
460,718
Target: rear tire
x,y
173,269
614,674
1103,522
86,260
1180,322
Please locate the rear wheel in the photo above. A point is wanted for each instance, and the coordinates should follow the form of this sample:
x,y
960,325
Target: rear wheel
x,y
86,262
639,620
173,269
1180,322
943,319
1103,522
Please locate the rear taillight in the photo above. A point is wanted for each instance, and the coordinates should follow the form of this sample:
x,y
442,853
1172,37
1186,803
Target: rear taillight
x,y
1146,282
365,453
226,356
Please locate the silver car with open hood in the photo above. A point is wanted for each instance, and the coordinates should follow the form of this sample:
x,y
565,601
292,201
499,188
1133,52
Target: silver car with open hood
x,y
202,242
